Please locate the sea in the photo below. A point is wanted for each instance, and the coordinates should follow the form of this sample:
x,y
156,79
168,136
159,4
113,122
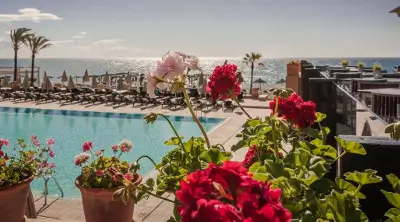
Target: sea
x,y
272,70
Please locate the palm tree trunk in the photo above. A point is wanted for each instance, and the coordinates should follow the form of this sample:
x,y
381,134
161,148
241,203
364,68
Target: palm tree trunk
x,y
251,76
32,69
15,64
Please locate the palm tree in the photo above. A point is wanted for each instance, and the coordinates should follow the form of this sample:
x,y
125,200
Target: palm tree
x,y
18,36
36,43
250,59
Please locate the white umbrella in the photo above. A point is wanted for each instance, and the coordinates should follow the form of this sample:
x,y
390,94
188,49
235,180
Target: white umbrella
x,y
94,82
85,77
64,77
119,83
5,83
200,84
71,84
145,86
107,79
44,80
26,81
49,86
128,80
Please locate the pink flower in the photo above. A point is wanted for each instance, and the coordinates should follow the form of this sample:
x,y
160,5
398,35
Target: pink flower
x,y
125,145
99,173
87,146
116,178
81,159
52,154
50,141
1,153
52,165
173,64
35,141
43,164
3,142
33,137
115,148
128,176
98,152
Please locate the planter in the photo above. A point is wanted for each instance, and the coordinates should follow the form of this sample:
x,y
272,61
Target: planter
x,y
98,205
13,201
378,75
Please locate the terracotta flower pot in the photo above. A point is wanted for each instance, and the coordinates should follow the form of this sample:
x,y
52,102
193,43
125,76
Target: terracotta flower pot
x,y
98,205
13,201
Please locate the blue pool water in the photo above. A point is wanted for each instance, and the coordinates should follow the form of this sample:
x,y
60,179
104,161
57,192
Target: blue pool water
x,y
71,128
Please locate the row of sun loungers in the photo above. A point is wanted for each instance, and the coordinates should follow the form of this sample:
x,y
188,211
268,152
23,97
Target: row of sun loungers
x,y
108,96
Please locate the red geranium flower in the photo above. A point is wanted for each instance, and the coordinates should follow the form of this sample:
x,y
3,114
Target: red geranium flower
x,y
295,110
260,203
212,211
251,156
204,197
223,82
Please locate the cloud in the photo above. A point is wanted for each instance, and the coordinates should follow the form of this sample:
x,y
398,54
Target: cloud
x,y
78,36
60,42
108,41
28,14
119,48
7,32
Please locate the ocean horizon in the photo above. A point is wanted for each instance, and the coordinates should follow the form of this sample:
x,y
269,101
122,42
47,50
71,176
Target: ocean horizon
x,y
273,69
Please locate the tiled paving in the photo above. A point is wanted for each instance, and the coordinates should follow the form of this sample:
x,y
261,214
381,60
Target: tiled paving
x,y
70,210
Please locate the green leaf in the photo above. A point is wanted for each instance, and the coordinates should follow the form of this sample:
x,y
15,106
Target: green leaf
x,y
320,149
173,141
393,198
303,159
320,117
393,214
259,172
238,145
214,155
395,181
323,186
362,178
254,122
325,130
313,133
343,185
343,209
351,146
150,182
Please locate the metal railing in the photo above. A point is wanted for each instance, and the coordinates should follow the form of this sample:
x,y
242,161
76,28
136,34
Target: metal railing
x,y
46,188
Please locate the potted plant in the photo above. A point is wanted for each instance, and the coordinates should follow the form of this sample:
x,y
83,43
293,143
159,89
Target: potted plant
x,y
107,184
271,183
360,66
345,63
293,67
377,69
18,167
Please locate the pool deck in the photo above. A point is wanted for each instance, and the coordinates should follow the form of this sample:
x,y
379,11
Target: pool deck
x,y
70,210
153,209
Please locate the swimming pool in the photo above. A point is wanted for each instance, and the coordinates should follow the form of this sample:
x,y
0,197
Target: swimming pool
x,y
71,128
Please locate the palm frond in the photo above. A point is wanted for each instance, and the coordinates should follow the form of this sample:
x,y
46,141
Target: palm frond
x,y
37,43
19,36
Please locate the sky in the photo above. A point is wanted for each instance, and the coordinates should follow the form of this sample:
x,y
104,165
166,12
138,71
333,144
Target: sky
x,y
206,28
